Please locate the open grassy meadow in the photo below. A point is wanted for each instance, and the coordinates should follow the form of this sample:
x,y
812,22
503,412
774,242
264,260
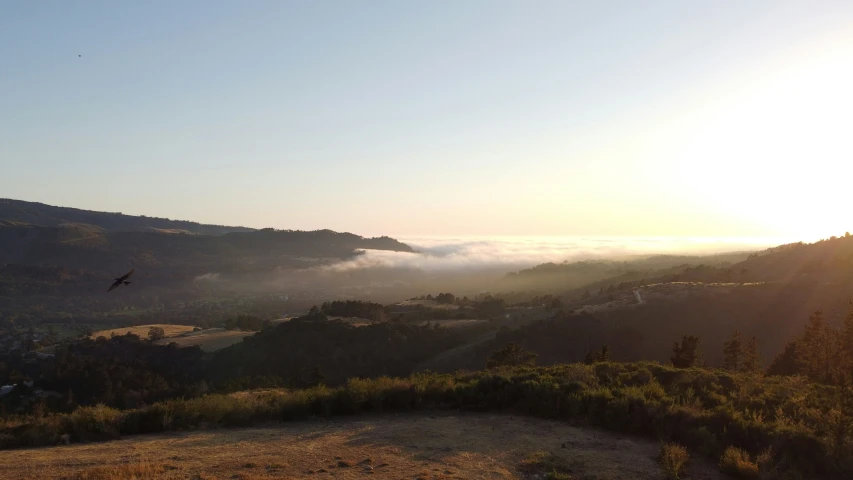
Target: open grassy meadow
x,y
209,342
442,446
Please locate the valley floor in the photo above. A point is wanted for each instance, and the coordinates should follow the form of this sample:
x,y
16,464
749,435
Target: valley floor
x,y
406,446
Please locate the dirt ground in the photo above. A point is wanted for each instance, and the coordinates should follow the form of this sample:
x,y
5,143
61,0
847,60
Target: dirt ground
x,y
142,330
209,342
407,446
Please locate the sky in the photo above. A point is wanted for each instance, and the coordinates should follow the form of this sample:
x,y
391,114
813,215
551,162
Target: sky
x,y
463,117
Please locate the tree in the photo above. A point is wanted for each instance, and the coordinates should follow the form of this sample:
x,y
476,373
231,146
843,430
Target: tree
x,y
556,303
752,357
511,355
785,363
445,298
816,349
600,356
317,376
733,352
687,354
845,339
156,333
246,323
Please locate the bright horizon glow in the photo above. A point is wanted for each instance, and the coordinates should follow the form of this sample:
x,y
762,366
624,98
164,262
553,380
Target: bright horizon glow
x,y
473,118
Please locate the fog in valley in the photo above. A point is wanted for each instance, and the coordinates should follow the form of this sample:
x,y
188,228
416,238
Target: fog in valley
x,y
476,265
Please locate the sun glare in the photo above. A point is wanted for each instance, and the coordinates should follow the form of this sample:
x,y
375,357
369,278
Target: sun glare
x,y
777,149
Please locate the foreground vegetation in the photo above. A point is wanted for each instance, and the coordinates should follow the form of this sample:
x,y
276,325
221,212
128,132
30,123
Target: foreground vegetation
x,y
733,418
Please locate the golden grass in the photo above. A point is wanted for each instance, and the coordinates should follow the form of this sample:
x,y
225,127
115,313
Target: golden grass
x,y
142,330
468,322
209,342
673,458
738,464
454,446
130,471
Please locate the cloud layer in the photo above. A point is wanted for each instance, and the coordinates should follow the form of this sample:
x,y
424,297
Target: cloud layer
x,y
438,254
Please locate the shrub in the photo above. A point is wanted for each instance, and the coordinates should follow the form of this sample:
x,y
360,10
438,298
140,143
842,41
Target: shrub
x,y
541,462
702,410
672,458
737,463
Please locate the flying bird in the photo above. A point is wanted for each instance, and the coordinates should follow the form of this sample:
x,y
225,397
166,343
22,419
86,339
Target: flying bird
x,y
121,280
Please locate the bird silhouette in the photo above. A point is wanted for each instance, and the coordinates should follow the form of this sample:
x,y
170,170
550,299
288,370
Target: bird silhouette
x,y
121,280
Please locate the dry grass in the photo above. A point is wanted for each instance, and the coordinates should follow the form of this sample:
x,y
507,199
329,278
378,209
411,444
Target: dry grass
x,y
142,330
209,342
354,321
131,471
738,464
468,322
673,457
463,446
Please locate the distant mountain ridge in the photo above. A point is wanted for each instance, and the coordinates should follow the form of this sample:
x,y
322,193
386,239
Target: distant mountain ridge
x,y
34,234
40,214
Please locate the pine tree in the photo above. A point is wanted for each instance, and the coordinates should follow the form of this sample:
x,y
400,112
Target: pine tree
x,y
733,352
786,362
845,339
752,357
600,356
687,354
816,349
317,376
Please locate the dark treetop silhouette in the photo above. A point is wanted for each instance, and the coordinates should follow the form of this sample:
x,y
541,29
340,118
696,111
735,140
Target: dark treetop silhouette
x,y
120,280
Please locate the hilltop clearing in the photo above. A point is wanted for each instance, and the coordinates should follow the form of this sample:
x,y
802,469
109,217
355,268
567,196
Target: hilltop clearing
x,y
455,446
141,331
209,341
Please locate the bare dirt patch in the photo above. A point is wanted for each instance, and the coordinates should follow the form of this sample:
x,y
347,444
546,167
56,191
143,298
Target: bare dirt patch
x,y
416,446
209,342
142,330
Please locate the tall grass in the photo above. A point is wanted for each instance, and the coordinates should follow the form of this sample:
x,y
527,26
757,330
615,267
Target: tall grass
x,y
706,411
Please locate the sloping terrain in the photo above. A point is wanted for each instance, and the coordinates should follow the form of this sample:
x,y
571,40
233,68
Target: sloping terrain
x,y
209,342
770,295
34,213
455,446
87,248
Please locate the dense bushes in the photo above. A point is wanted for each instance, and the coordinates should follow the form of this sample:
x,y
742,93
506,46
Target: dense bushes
x,y
123,371
788,421
301,351
127,372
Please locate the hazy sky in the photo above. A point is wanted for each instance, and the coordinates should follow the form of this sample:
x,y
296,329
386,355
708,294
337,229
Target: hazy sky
x,y
712,118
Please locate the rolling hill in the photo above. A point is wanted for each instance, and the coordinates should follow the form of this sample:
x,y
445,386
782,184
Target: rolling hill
x,y
33,213
770,295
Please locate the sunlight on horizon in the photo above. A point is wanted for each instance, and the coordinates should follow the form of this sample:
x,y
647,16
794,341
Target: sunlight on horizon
x,y
779,145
